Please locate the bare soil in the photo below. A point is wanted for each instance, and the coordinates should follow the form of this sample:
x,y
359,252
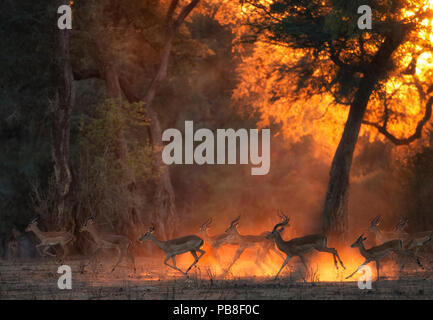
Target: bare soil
x,y
37,279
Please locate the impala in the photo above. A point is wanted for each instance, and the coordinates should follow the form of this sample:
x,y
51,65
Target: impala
x,y
107,241
49,239
379,252
301,246
248,241
177,246
383,236
410,241
215,241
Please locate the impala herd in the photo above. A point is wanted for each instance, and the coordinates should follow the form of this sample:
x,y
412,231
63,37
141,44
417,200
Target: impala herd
x,y
397,241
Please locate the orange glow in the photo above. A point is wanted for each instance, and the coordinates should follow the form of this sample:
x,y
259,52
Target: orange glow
x,y
321,266
261,87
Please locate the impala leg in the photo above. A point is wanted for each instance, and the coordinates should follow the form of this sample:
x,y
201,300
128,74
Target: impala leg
x,y
236,257
282,267
38,249
65,252
377,270
131,257
276,251
173,258
196,258
119,257
260,256
90,258
334,254
303,262
217,256
46,252
359,268
413,255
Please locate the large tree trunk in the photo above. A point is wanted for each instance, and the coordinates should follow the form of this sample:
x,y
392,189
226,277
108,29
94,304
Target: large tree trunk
x,y
60,130
335,215
128,215
164,207
164,199
335,211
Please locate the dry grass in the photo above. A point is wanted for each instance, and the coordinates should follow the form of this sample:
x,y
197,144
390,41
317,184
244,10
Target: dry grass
x,y
37,279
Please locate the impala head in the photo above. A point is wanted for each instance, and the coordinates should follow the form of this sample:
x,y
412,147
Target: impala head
x,y
374,224
402,224
359,241
233,225
33,223
205,226
279,226
87,224
147,235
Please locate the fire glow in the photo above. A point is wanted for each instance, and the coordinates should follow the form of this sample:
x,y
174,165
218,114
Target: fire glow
x,y
321,266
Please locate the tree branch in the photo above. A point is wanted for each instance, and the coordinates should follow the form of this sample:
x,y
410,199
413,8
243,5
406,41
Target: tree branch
x,y
416,135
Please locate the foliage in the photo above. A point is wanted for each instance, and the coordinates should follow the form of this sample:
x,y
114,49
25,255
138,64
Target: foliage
x,y
308,58
26,88
99,170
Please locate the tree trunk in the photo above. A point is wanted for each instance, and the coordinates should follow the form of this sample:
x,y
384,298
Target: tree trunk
x,y
60,130
335,215
164,198
128,216
164,213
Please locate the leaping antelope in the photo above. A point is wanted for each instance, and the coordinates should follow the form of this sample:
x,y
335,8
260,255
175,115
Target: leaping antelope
x,y
411,241
49,239
301,246
248,241
177,246
377,253
384,236
107,241
215,241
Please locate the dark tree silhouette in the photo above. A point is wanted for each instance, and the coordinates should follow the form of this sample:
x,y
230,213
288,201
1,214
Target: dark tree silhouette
x,y
355,65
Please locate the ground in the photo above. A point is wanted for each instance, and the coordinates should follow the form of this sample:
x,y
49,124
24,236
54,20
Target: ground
x,y
37,279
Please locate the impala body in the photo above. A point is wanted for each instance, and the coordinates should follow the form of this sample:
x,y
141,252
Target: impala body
x,y
174,247
216,241
381,236
108,241
379,252
51,238
410,241
301,246
248,241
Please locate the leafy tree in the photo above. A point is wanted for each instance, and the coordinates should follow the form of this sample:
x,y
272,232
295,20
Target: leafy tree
x,y
373,72
27,84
